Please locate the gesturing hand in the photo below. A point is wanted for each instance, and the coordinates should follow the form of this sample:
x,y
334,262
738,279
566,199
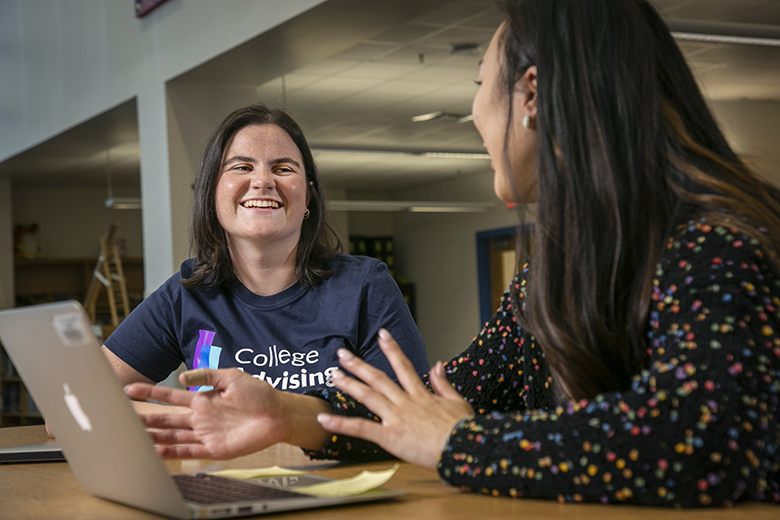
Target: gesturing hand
x,y
415,423
239,416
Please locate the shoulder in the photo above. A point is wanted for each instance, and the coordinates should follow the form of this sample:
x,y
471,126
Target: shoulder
x,y
699,253
353,266
698,242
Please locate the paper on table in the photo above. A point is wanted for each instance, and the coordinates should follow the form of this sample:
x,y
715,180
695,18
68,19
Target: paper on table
x,y
273,471
366,481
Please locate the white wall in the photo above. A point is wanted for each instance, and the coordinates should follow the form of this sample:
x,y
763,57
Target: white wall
x,y
438,252
71,220
753,129
73,60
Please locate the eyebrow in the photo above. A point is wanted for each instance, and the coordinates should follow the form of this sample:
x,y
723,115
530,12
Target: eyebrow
x,y
238,158
244,158
283,160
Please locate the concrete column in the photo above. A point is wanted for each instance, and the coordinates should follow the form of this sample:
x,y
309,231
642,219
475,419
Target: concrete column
x,y
156,215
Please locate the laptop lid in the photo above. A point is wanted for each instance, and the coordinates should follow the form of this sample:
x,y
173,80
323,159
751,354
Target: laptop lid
x,y
106,445
99,432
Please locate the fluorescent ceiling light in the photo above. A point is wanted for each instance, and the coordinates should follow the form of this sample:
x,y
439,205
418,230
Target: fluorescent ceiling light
x,y
732,33
427,117
414,207
410,153
123,202
430,116
721,38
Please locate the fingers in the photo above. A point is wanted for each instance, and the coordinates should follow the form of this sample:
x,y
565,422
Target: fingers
x,y
170,437
190,451
374,400
440,384
209,377
167,421
197,377
164,394
353,427
403,368
370,375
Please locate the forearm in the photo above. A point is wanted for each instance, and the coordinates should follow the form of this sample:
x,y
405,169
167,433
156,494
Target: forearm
x,y
301,426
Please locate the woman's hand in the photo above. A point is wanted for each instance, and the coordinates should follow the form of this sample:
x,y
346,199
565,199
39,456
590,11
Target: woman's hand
x,y
415,423
239,416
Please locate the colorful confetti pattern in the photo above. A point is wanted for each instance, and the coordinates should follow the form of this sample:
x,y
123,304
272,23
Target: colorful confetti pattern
x,y
698,427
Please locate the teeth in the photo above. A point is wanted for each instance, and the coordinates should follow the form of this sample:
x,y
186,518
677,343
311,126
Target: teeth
x,y
260,204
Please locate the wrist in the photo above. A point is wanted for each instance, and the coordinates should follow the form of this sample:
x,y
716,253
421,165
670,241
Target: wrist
x,y
299,420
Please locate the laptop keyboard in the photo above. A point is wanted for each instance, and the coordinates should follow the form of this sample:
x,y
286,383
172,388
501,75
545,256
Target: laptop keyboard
x,y
209,489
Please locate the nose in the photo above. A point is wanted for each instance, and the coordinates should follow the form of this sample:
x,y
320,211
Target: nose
x,y
263,180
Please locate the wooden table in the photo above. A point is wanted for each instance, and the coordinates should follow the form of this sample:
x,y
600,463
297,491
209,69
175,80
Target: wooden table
x,y
50,491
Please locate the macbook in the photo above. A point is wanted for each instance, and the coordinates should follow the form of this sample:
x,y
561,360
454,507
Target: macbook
x,y
104,441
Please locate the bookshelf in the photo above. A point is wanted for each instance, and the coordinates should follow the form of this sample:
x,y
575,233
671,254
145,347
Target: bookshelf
x,y
48,280
383,248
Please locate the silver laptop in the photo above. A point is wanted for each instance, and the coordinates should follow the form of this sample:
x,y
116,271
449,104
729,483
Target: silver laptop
x,y
104,441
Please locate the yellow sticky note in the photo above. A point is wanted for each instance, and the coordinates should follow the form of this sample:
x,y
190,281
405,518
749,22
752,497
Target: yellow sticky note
x,y
366,481
273,471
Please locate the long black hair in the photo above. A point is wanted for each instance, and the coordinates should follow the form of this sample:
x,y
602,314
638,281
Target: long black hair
x,y
627,150
318,242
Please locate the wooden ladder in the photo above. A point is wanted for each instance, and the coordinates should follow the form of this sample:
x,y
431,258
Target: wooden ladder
x,y
108,273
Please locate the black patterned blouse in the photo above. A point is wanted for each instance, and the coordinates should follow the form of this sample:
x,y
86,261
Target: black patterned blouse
x,y
698,427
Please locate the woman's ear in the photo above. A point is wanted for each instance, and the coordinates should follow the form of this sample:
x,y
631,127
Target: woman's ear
x,y
526,87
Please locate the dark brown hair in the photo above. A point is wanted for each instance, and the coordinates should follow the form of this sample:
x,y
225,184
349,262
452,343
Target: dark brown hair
x,y
627,151
318,242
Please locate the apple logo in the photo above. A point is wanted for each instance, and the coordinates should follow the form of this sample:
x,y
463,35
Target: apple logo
x,y
75,409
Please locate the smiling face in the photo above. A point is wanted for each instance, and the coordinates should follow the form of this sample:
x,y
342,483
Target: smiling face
x,y
261,194
515,180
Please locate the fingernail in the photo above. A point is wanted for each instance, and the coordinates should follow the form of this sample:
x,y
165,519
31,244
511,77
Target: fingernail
x,y
384,334
344,354
324,418
438,368
336,374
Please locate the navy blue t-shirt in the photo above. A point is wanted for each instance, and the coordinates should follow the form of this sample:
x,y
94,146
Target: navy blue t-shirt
x,y
288,339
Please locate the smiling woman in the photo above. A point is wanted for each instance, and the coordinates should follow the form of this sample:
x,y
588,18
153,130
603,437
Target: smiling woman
x,y
267,292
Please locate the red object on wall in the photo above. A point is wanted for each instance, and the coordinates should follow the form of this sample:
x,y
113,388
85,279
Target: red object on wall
x,y
144,7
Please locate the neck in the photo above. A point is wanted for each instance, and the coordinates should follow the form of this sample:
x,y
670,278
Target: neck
x,y
264,270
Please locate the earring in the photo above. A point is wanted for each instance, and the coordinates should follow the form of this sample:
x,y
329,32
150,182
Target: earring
x,y
307,214
527,122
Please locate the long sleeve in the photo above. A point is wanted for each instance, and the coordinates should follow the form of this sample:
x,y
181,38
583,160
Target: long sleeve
x,y
698,427
501,370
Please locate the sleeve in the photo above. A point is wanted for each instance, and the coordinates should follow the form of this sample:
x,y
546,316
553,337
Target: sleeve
x,y
698,427
501,369
383,306
147,340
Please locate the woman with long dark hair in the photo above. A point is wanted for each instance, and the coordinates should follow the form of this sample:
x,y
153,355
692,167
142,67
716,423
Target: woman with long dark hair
x,y
267,291
635,358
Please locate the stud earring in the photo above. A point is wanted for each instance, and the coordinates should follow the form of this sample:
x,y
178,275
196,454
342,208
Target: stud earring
x,y
307,214
527,122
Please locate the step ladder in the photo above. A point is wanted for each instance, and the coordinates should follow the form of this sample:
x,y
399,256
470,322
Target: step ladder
x,y
108,273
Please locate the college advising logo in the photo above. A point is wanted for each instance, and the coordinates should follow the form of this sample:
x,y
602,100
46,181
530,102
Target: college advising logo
x,y
76,410
279,367
206,356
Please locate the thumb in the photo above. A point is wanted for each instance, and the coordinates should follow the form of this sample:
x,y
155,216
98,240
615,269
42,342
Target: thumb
x,y
199,377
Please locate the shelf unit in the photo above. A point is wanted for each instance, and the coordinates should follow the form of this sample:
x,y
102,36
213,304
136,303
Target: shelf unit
x,y
48,280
